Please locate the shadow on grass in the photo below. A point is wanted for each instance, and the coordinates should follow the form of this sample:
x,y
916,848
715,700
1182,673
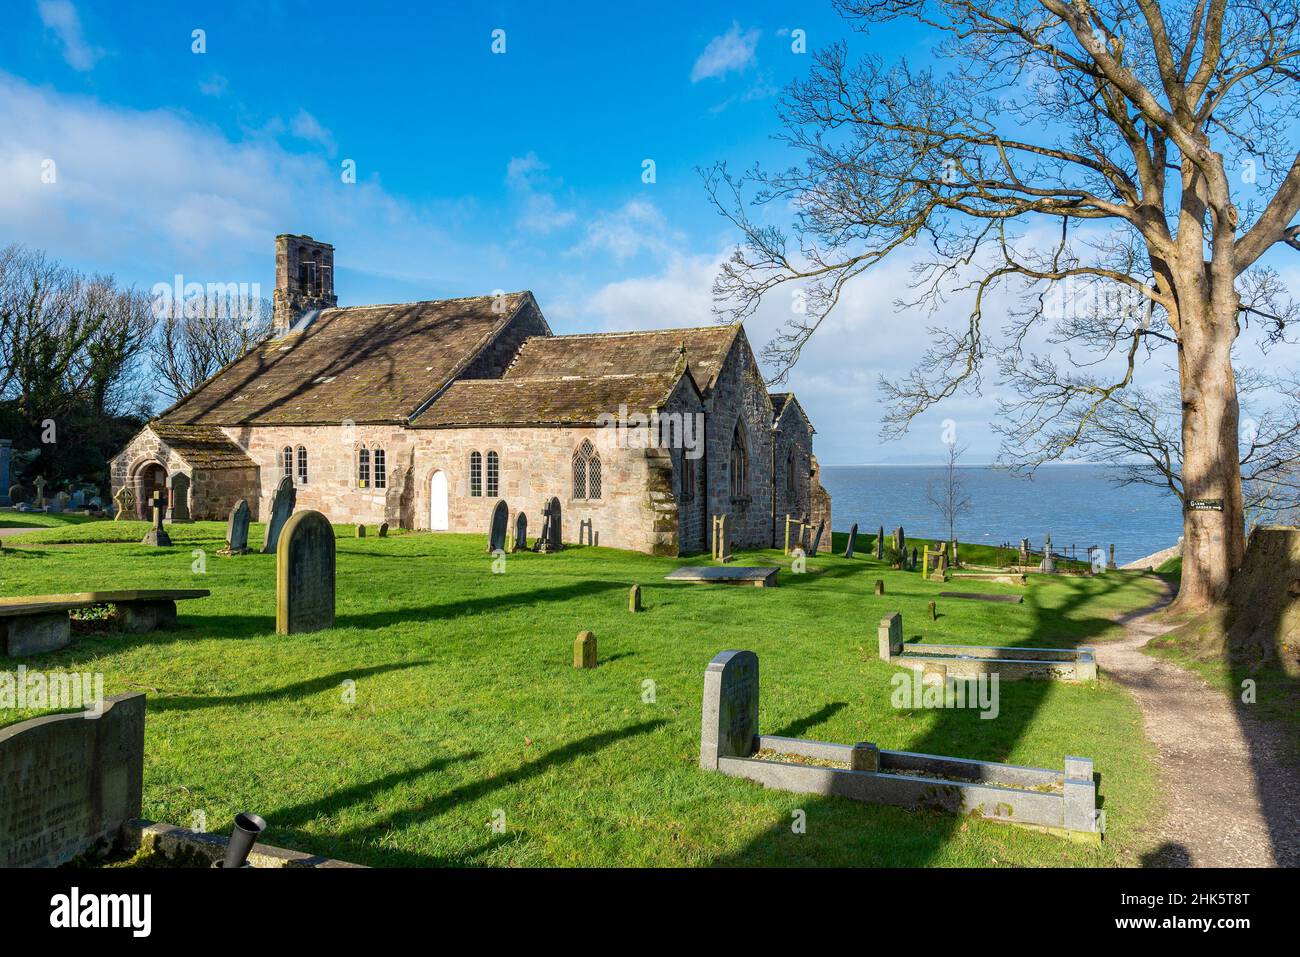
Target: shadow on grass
x,y
299,689
361,844
899,838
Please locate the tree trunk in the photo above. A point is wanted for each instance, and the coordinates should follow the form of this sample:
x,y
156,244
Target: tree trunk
x,y
1213,517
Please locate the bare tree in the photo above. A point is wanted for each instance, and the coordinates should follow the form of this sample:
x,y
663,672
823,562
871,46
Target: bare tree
x,y
1140,130
199,336
948,494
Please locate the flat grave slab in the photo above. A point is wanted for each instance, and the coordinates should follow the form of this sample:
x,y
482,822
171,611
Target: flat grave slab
x,y
969,661
1061,802
977,596
761,576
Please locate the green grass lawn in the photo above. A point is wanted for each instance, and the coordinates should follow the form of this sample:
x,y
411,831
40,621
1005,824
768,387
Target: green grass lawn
x,y
467,706
10,519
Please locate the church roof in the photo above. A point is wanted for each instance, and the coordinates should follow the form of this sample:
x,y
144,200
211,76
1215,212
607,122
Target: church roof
x,y
202,446
656,352
360,363
546,400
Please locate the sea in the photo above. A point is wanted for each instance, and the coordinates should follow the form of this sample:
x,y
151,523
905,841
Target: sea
x,y
1080,505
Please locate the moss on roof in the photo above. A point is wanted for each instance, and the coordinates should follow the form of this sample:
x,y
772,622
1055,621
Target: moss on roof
x,y
361,363
202,446
551,400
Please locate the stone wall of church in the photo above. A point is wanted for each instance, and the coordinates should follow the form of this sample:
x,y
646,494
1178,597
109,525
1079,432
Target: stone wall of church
x,y
793,475
535,464
740,396
492,362
213,492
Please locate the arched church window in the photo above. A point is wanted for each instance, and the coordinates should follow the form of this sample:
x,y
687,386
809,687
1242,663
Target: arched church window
x,y
493,474
739,464
381,468
363,467
586,472
302,465
286,461
476,474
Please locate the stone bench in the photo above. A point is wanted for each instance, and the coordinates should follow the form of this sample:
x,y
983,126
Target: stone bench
x,y
33,624
761,576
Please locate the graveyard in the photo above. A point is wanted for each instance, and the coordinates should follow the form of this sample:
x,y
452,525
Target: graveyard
x,y
442,720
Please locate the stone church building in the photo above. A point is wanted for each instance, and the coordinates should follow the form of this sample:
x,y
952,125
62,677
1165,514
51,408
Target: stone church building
x,y
425,414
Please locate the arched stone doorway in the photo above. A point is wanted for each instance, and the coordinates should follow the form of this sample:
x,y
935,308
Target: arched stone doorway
x,y
149,477
438,501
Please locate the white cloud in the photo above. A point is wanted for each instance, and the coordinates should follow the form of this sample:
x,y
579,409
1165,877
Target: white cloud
x,y
214,85
307,127
731,52
60,17
635,227
540,211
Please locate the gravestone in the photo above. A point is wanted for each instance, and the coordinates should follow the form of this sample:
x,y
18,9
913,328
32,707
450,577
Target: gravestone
x,y
157,535
1048,564
178,483
68,783
549,540
586,532
1110,564
817,539
880,587
584,650
497,527
1024,552
902,540
383,529
17,494
853,540
913,565
59,503
40,491
934,612
889,636
721,539
5,450
361,531
286,496
304,575
521,533
237,530
730,713
880,545
634,598
125,502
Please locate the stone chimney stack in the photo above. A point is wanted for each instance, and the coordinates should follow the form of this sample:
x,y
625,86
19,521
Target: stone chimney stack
x,y
304,279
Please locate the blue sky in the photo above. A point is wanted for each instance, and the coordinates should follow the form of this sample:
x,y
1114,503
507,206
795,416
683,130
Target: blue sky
x,y
475,170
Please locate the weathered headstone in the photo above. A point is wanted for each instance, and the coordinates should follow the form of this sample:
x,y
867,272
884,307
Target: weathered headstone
x,y
157,535
1110,564
721,538
383,529
880,586
361,531
880,545
634,598
40,491
17,494
853,540
237,530
925,563
902,540
729,725
817,539
521,533
549,540
5,450
934,611
178,484
1048,564
286,496
304,575
889,636
68,784
59,503
912,566
1024,552
584,650
586,532
497,527
125,502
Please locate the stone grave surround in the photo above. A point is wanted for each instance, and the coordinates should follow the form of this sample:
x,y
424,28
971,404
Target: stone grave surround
x,y
968,661
1060,802
304,575
68,784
